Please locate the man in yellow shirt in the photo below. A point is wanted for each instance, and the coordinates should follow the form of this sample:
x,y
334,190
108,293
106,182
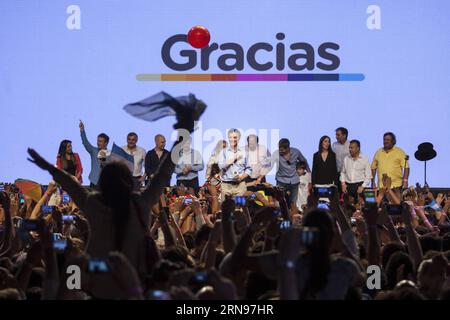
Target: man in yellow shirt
x,y
392,161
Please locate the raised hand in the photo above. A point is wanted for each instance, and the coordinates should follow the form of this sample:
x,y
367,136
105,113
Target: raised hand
x,y
265,217
81,125
420,200
223,287
371,215
387,182
228,206
51,187
5,200
278,194
34,254
440,198
290,245
408,206
39,161
195,206
216,232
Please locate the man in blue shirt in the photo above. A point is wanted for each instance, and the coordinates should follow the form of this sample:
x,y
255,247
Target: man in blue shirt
x,y
234,165
190,162
286,175
98,154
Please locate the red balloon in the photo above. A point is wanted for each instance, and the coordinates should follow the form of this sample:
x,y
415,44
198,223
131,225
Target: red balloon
x,y
198,37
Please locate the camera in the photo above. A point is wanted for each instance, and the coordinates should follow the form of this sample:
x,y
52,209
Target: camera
x,y
17,222
47,209
323,192
309,235
200,276
68,218
31,224
369,197
240,201
97,266
65,198
284,224
198,279
159,295
277,212
323,205
187,201
59,243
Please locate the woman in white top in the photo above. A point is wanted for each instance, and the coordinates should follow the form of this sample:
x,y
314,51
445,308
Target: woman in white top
x,y
304,187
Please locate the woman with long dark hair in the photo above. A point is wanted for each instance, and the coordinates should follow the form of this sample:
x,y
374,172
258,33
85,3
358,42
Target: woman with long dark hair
x,y
324,170
69,161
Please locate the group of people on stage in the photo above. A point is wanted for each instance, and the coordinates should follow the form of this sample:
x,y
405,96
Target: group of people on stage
x,y
182,242
237,169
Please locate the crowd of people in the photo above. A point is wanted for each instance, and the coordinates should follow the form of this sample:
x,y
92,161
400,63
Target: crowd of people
x,y
313,235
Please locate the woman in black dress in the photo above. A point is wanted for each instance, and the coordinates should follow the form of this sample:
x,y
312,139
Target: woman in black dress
x,y
324,170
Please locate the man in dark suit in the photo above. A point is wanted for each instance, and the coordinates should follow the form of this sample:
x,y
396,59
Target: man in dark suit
x,y
154,157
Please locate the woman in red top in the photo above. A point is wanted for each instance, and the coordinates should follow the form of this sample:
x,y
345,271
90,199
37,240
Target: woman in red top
x,y
69,161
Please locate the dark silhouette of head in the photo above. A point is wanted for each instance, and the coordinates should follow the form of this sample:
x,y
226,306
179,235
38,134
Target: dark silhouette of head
x,y
115,182
321,220
319,251
116,186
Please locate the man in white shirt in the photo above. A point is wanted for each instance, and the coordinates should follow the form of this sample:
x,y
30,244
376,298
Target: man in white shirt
x,y
138,154
341,148
259,160
190,162
234,167
356,173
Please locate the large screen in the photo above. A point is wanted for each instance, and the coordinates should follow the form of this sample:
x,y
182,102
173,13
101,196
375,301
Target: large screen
x,y
295,69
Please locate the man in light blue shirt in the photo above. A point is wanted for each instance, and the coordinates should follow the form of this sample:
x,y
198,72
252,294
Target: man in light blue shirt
x,y
234,165
98,154
287,176
190,162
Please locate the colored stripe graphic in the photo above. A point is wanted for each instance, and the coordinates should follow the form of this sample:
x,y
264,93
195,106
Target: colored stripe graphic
x,y
250,77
